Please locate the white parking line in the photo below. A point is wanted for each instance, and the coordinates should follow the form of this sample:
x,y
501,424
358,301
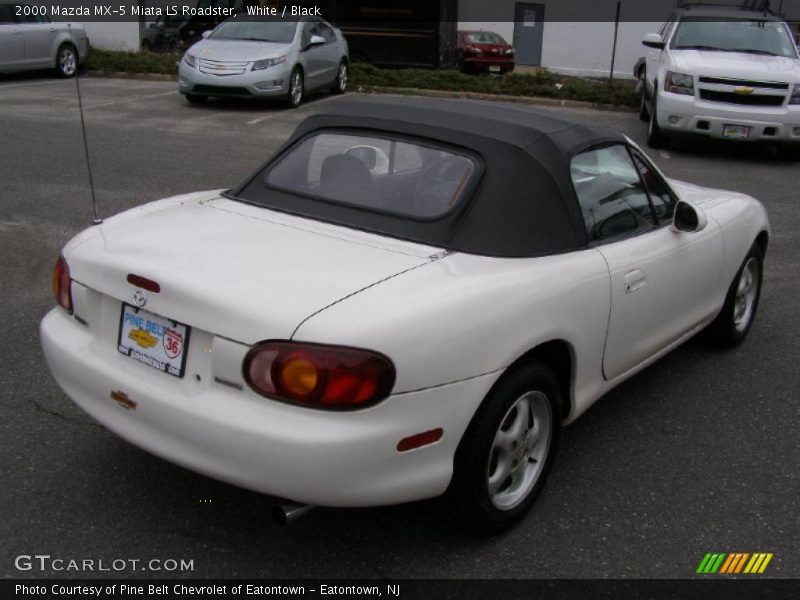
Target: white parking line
x,y
115,102
664,154
259,119
31,83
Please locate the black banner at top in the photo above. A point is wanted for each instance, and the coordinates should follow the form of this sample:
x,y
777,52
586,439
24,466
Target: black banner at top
x,y
371,12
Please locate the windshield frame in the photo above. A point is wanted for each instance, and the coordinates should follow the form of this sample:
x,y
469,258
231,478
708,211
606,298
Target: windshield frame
x,y
782,26
215,34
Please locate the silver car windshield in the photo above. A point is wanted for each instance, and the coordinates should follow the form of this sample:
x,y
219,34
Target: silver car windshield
x,y
281,32
754,37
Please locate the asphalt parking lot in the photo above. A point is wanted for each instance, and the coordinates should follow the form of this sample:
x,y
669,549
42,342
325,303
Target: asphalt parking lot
x,y
699,453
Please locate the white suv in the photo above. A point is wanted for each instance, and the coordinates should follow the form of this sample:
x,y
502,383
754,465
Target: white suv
x,y
722,73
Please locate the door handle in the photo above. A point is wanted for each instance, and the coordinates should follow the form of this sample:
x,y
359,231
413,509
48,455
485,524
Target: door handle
x,y
634,280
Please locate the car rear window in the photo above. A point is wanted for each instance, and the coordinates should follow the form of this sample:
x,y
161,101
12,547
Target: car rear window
x,y
382,174
485,37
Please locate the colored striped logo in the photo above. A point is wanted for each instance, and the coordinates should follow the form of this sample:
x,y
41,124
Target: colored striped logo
x,y
734,562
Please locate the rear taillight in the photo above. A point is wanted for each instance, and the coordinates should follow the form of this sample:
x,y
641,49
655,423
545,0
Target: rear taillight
x,y
319,376
61,285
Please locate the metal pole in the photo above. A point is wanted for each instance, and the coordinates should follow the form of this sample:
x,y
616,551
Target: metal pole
x,y
95,219
614,49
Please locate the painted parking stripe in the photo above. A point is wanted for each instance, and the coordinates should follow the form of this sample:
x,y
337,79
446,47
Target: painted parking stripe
x,y
664,154
115,102
259,119
31,83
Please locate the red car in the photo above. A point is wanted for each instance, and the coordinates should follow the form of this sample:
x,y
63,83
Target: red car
x,y
484,51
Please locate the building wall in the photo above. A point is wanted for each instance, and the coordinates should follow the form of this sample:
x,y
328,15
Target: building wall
x,y
584,48
577,48
113,36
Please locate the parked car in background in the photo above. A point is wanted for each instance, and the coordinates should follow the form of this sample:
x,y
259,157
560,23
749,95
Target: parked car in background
x,y
722,73
30,41
484,52
260,58
409,300
164,35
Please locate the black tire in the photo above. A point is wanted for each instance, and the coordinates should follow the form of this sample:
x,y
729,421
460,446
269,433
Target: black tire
x,y
476,459
196,98
655,137
644,114
294,99
66,61
730,328
790,153
145,46
342,77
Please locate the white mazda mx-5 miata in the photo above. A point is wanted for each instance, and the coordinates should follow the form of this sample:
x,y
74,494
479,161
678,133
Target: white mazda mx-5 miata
x,y
408,300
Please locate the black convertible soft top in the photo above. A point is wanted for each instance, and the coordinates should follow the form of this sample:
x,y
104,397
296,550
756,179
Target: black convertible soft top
x,y
524,205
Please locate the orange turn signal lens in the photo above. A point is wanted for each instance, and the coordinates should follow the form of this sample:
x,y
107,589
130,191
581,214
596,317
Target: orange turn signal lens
x,y
299,376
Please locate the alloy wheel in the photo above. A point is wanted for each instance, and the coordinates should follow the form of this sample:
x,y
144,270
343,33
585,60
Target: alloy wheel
x,y
519,450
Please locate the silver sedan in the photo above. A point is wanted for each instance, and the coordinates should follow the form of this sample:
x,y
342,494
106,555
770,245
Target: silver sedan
x,y
248,58
30,41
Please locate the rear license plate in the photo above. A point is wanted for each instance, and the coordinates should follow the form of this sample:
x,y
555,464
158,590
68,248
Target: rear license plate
x,y
735,132
153,340
494,68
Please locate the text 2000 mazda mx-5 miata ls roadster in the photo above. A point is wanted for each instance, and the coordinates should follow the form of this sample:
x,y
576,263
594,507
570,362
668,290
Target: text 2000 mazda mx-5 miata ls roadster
x,y
408,300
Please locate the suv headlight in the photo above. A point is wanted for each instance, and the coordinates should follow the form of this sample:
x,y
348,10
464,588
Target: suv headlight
x,y
795,97
679,83
189,60
267,63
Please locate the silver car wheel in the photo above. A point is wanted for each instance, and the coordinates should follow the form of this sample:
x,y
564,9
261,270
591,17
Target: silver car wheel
x,y
296,91
746,294
67,62
343,77
519,450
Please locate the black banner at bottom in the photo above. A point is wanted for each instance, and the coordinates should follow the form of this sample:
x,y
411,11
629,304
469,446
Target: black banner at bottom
x,y
461,589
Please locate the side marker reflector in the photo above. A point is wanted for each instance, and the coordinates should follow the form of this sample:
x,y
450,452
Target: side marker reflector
x,y
421,439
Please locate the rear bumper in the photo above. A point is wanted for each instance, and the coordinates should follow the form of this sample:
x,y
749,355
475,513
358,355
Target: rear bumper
x,y
309,456
486,64
690,115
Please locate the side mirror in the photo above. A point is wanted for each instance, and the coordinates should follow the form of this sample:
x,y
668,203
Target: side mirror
x,y
316,40
205,34
653,40
688,218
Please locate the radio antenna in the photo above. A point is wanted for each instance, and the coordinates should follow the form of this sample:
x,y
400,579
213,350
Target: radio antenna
x,y
95,219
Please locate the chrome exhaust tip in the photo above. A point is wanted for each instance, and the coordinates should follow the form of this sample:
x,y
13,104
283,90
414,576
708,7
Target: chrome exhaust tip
x,y
288,512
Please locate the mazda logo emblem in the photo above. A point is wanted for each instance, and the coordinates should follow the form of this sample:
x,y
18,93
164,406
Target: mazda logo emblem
x,y
140,298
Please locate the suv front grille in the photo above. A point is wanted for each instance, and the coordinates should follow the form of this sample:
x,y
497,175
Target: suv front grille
x,y
743,99
769,85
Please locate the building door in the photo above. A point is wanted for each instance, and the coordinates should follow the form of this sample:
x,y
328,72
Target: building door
x,y
528,33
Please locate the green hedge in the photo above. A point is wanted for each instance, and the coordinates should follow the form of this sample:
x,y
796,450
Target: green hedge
x,y
542,83
131,62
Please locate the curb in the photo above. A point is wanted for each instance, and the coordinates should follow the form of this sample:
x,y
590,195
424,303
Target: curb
x,y
127,75
377,89
532,100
